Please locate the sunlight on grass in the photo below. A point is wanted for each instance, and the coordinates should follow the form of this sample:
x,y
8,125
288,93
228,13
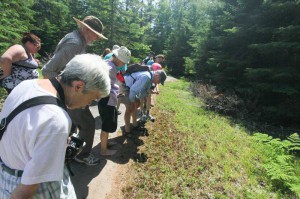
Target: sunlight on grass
x,y
3,95
194,153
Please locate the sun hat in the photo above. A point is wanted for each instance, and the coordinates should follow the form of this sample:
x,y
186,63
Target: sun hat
x,y
115,47
123,54
162,76
93,24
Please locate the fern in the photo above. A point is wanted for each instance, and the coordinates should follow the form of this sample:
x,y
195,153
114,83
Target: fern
x,y
281,164
294,138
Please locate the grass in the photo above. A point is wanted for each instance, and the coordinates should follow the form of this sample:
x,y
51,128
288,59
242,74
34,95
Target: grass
x,y
3,95
194,153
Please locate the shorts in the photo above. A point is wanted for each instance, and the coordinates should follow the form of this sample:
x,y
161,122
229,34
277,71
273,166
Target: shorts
x,y
124,94
54,189
109,116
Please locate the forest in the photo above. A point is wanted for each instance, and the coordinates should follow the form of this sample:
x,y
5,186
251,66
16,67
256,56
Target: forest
x,y
241,48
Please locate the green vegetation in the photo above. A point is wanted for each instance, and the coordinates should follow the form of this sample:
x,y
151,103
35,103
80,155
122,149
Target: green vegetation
x,y
249,48
3,95
194,153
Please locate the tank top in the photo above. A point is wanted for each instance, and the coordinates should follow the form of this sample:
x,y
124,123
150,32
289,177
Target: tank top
x,y
21,70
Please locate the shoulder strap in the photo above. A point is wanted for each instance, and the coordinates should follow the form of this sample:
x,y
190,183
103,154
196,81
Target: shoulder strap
x,y
132,78
25,105
151,76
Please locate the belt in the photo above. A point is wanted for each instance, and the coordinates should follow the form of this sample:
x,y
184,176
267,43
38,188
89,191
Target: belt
x,y
13,172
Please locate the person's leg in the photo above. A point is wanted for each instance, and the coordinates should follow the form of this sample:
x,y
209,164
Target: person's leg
x,y
109,117
148,115
134,114
127,117
143,117
104,142
148,105
118,106
85,122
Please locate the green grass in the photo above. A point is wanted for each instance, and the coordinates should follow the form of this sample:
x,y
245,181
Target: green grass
x,y
3,95
194,153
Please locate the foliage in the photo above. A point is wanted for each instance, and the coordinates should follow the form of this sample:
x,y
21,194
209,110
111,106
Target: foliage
x,y
14,22
282,165
253,48
194,153
250,47
52,22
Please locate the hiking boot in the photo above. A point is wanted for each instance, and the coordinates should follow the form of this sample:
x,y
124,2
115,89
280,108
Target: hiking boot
x,y
91,160
143,119
151,118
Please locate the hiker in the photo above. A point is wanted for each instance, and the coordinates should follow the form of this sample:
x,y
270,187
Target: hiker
x,y
137,85
18,63
33,146
154,90
107,106
89,30
149,57
109,55
105,52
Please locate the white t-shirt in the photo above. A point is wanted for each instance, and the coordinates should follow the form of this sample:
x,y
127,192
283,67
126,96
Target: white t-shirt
x,y
35,141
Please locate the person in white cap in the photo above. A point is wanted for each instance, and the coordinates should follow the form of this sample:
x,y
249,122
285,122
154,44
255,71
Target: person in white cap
x,y
89,30
109,55
107,106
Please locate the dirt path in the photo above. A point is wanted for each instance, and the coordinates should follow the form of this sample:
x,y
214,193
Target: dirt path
x,y
95,182
104,180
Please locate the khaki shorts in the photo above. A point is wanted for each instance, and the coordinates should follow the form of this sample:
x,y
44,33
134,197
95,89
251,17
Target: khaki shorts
x,y
123,96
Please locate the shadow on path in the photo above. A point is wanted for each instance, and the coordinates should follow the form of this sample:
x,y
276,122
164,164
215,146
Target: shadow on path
x,y
83,175
127,148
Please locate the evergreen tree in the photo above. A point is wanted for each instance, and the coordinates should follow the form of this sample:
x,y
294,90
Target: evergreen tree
x,y
52,21
15,17
253,48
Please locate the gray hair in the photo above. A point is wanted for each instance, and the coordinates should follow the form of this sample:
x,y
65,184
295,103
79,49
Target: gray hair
x,y
90,69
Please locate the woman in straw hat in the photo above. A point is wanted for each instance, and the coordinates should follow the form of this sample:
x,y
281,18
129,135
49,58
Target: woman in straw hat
x,y
89,30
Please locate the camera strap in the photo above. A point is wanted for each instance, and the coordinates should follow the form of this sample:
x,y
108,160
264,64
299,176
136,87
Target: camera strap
x,y
59,90
34,102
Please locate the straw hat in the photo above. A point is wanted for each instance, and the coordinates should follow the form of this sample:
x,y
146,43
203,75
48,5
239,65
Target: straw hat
x,y
93,24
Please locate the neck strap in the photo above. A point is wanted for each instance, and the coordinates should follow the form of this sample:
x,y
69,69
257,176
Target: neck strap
x,y
59,89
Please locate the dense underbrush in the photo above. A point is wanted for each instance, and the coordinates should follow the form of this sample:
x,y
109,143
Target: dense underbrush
x,y
228,103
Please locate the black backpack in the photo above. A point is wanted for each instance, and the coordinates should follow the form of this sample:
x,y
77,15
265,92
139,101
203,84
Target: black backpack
x,y
133,68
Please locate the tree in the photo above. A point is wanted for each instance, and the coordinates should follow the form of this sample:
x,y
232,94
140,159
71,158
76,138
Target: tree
x,y
15,17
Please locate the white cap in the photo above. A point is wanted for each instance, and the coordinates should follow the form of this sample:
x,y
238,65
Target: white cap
x,y
115,47
123,54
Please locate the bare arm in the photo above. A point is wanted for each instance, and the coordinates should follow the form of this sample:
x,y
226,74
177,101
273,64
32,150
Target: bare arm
x,y
24,191
13,54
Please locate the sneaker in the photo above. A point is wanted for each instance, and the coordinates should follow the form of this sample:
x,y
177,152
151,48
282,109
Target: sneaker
x,y
151,118
90,160
143,118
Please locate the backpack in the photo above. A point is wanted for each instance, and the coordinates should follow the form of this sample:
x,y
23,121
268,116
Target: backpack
x,y
136,68
133,68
